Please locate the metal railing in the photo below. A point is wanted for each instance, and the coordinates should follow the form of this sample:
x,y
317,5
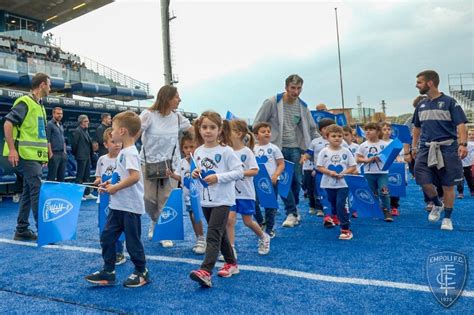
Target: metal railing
x,y
33,37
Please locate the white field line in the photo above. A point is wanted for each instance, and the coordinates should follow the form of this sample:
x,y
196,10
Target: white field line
x,y
276,271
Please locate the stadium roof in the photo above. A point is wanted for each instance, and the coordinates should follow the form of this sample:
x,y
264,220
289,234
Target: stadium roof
x,y
52,12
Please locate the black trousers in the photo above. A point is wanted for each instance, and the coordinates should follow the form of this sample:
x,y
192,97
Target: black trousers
x,y
57,167
83,173
468,178
217,239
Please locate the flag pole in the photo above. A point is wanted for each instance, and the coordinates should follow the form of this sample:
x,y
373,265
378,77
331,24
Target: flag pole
x,y
340,66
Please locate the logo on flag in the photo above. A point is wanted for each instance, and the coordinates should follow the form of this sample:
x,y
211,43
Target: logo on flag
x,y
170,222
265,185
446,273
364,195
167,215
286,177
55,208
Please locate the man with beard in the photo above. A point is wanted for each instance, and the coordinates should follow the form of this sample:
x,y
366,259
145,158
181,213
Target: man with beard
x,y
438,120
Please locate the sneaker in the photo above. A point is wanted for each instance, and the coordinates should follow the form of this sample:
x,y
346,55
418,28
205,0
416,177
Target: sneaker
x,y
335,220
272,234
151,230
312,211
16,198
90,197
435,213
387,216
120,259
319,213
328,223
460,196
447,224
290,221
137,279
395,212
27,235
298,218
101,278
345,235
355,215
200,247
228,270
201,276
429,206
264,245
221,257
166,243
83,198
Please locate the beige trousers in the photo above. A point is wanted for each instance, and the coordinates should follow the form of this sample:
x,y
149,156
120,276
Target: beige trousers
x,y
157,192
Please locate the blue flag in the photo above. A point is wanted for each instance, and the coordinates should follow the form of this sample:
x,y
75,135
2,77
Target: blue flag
x,y
230,116
104,199
58,210
194,189
284,183
397,180
320,114
321,193
264,188
341,119
390,153
170,222
361,197
360,132
401,132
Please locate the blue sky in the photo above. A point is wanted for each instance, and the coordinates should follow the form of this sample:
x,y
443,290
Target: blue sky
x,y
231,55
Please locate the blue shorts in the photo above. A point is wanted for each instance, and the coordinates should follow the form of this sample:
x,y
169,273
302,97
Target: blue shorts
x,y
451,174
244,206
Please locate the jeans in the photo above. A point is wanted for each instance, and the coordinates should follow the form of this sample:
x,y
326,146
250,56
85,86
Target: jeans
x,y
292,200
216,238
378,183
129,223
31,171
57,167
337,197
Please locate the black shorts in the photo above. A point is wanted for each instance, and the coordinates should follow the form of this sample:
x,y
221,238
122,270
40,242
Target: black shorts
x,y
450,175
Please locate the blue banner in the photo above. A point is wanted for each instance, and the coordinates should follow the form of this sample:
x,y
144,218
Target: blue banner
x,y
170,222
284,183
341,119
58,210
402,132
397,184
361,198
360,132
389,154
320,114
264,188
230,116
194,190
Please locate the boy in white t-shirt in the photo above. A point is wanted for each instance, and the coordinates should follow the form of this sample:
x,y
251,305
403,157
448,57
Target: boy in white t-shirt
x,y
126,207
269,154
467,164
334,161
104,170
376,178
349,138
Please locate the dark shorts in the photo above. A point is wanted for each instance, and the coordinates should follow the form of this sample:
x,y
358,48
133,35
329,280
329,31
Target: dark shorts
x,y
450,175
244,206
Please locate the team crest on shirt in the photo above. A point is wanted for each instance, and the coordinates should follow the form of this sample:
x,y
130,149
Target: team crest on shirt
x,y
440,105
218,158
344,157
269,150
122,158
243,157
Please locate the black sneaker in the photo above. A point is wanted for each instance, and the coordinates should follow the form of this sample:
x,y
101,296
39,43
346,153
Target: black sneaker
x,y
101,278
271,233
137,279
26,235
120,259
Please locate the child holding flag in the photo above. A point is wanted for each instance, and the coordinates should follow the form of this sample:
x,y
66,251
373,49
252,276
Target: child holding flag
x,y
183,174
104,170
244,187
467,163
372,169
217,168
271,156
126,207
333,162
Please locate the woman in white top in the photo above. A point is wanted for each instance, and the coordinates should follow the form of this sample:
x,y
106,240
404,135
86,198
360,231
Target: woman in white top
x,y
161,125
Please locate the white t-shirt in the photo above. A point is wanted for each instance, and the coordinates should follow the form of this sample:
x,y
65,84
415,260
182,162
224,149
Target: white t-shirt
x,y
469,159
369,149
268,154
184,171
244,188
308,165
129,199
353,147
160,136
335,160
105,166
222,161
316,145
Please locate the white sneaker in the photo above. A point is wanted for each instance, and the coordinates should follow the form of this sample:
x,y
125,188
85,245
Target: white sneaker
x,y
90,197
221,257
200,247
312,211
151,230
264,245
435,213
447,224
16,198
290,221
166,243
83,198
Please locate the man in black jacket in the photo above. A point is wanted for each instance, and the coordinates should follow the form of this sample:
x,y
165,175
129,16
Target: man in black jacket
x,y
105,122
82,150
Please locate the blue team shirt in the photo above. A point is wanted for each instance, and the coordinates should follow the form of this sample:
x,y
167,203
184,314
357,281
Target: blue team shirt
x,y
438,118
